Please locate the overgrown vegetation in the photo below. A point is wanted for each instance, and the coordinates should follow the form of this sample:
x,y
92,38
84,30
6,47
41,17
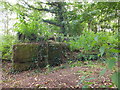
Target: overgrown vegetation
x,y
91,29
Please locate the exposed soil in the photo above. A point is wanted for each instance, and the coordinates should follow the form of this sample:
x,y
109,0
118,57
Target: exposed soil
x,y
59,78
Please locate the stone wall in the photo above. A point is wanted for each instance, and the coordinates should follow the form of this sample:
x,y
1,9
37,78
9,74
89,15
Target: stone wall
x,y
31,55
24,56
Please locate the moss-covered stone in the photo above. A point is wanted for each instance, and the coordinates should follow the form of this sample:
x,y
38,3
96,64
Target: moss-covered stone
x,y
47,53
66,53
56,53
26,52
23,66
43,54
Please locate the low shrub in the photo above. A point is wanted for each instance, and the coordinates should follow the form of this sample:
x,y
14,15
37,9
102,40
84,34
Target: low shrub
x,y
6,46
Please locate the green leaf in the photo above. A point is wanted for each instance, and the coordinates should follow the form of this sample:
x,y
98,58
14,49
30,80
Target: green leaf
x,y
115,79
85,86
114,50
102,50
102,72
82,79
111,62
90,79
88,83
96,38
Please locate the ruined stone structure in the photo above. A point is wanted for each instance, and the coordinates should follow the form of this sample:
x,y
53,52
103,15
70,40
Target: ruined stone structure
x,y
31,55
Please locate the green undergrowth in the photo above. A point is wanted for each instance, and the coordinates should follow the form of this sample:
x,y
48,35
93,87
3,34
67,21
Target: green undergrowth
x,y
86,74
71,64
99,46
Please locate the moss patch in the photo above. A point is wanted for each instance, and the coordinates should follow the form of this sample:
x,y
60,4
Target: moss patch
x,y
43,55
54,54
25,52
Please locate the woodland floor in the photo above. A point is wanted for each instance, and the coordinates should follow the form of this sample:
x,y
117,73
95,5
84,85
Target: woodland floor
x,y
64,76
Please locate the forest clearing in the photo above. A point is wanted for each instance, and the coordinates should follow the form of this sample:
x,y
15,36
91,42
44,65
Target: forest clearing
x,y
47,44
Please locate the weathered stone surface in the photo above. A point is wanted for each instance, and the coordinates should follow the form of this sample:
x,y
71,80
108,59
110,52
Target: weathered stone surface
x,y
47,53
23,66
54,54
43,55
26,52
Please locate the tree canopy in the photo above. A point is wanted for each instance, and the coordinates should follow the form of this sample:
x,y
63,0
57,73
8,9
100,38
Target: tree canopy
x,y
65,18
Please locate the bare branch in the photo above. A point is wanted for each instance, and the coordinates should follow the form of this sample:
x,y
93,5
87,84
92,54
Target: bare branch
x,y
43,9
51,22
